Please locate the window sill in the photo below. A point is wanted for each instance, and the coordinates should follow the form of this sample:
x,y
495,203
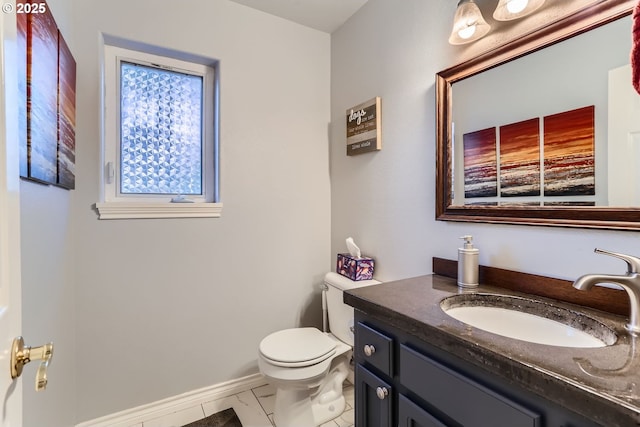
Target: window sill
x,y
122,210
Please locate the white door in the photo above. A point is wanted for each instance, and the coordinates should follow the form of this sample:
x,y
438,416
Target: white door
x,y
623,142
10,301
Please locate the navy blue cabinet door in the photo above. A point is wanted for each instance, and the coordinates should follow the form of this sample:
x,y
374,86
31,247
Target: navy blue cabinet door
x,y
373,400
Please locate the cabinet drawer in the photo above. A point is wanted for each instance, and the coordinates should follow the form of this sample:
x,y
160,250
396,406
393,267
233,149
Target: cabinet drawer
x,y
373,348
459,397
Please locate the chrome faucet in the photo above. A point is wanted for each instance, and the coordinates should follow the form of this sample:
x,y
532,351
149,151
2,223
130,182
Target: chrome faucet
x,y
630,282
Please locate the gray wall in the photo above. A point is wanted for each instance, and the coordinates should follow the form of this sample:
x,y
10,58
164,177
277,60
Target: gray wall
x,y
170,306
386,200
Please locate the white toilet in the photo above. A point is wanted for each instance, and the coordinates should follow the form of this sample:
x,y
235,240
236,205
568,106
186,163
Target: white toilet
x,y
307,366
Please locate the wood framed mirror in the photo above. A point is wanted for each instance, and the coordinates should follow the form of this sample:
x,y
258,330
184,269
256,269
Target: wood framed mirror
x,y
603,190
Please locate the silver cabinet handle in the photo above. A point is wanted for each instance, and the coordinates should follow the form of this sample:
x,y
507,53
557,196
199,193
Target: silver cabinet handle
x,y
369,350
382,392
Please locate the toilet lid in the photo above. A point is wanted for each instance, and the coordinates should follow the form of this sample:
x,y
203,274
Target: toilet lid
x,y
297,347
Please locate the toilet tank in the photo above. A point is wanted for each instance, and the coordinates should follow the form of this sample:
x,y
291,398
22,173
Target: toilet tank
x,y
341,315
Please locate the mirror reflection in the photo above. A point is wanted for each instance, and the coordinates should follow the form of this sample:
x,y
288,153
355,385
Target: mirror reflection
x,y
558,127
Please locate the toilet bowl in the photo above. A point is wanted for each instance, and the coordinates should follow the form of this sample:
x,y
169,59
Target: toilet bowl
x,y
307,367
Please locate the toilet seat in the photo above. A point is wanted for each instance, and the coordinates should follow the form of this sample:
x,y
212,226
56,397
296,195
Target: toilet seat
x,y
297,347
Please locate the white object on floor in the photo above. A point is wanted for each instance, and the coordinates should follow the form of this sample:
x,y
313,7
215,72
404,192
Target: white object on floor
x,y
308,367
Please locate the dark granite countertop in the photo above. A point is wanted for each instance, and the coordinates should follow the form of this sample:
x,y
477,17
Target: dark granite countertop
x,y
602,384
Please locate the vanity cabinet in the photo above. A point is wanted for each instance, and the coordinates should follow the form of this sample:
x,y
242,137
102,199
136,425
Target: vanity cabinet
x,y
407,382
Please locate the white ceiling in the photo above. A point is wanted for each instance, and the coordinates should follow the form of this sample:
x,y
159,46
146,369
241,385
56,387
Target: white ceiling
x,y
323,15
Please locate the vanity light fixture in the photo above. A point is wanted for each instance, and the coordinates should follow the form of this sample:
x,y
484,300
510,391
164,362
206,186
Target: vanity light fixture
x,y
468,23
514,9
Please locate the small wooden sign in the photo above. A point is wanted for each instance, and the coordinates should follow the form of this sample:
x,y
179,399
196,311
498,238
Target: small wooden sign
x,y
364,133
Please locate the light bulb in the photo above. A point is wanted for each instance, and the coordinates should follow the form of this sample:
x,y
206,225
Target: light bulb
x,y
517,6
467,32
515,9
468,23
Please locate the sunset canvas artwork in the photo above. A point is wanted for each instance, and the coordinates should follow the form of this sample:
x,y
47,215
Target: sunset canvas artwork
x,y
480,163
42,92
66,116
520,158
569,153
46,98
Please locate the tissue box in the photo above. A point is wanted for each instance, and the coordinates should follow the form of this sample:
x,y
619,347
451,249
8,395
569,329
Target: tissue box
x,y
354,268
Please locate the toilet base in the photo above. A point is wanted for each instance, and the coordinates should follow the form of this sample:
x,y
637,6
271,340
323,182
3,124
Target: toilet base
x,y
328,411
295,407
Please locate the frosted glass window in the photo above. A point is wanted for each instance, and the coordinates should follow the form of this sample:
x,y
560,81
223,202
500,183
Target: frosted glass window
x,y
160,131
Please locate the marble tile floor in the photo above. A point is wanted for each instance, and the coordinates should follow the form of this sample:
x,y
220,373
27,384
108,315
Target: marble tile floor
x,y
254,409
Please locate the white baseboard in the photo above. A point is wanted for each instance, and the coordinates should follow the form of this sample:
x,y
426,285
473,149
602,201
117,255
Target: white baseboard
x,y
133,416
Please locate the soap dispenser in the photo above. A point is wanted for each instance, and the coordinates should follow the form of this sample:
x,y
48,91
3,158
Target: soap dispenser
x,y
468,264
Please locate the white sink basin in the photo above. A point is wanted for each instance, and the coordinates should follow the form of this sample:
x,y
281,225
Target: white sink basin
x,y
528,320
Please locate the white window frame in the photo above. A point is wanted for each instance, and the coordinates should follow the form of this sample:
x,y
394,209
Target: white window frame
x,y
113,204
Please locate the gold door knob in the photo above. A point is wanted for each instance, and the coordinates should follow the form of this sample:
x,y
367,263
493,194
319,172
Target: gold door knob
x,y
21,355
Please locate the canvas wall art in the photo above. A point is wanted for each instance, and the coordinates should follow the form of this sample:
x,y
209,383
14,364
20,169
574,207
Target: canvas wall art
x,y
66,116
569,157
520,158
480,163
47,93
42,92
21,59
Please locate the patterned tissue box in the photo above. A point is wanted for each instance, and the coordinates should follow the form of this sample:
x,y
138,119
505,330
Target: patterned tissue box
x,y
354,268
